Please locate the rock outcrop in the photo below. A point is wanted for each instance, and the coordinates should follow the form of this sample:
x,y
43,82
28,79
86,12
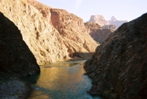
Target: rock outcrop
x,y
98,33
99,19
16,60
51,34
116,22
118,67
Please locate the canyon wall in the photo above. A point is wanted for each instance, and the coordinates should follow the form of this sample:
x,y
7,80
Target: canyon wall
x,y
15,55
118,67
51,34
98,33
16,61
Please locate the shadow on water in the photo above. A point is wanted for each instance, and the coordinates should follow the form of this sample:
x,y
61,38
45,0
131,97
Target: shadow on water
x,y
62,80
33,79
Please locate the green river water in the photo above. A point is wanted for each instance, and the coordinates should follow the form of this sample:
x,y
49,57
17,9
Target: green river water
x,y
62,80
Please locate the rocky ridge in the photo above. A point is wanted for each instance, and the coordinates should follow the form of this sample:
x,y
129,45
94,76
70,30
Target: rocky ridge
x,y
118,67
51,34
16,61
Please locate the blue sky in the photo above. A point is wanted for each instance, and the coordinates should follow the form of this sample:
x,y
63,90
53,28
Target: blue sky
x,y
121,9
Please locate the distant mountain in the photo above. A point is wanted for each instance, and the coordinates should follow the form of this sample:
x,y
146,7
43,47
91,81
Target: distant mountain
x,y
116,22
99,19
102,22
99,28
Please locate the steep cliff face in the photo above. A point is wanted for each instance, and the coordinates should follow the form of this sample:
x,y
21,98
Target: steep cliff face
x,y
118,67
51,34
15,56
97,32
16,60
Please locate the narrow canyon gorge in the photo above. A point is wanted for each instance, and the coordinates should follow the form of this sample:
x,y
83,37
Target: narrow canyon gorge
x,y
50,53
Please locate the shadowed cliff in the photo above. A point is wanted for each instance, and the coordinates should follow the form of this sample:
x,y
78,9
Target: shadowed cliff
x,y
16,60
118,67
15,56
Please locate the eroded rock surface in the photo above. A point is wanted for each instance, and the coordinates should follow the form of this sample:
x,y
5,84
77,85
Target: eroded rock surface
x,y
51,34
118,67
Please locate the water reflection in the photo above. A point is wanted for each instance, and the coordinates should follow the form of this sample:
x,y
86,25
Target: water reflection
x,y
63,80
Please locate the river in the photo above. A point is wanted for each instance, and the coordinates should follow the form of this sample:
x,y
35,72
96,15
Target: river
x,y
62,80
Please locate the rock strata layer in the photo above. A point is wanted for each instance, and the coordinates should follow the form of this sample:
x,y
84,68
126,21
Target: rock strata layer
x,y
118,67
51,34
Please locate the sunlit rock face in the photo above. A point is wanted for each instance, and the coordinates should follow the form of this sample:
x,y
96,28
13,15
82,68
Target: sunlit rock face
x,y
98,33
118,67
51,34
15,56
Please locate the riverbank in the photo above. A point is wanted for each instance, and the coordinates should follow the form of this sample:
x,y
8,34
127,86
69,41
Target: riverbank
x,y
13,87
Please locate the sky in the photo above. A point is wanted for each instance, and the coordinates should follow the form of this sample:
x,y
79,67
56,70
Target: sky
x,y
120,9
